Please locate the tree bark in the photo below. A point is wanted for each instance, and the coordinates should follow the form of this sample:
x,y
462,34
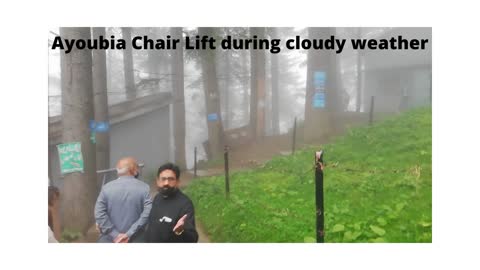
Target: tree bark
x,y
100,98
226,90
257,96
245,85
358,102
253,91
275,87
318,121
153,59
179,100
128,63
79,191
212,98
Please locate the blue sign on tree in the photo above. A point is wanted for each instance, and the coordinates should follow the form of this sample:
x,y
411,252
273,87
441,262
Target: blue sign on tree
x,y
319,100
102,127
99,127
319,78
211,117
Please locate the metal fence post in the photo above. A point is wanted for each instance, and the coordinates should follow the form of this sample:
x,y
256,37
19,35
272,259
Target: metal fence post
x,y
319,196
372,105
227,180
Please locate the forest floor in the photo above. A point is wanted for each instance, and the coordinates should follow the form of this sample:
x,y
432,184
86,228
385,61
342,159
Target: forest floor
x,y
247,157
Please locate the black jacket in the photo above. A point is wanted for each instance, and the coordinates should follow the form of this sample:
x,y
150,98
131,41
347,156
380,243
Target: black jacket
x,y
165,214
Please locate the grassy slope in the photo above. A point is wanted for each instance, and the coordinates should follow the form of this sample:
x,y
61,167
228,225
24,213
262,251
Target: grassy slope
x,y
377,189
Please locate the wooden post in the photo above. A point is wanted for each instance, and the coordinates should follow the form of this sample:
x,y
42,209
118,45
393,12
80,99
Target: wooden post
x,y
319,196
227,180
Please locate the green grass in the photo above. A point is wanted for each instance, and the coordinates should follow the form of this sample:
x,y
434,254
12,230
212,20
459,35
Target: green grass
x,y
378,188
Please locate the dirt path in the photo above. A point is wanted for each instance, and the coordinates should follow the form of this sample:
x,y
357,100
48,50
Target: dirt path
x,y
247,157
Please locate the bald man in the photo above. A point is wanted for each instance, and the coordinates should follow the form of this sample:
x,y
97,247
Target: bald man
x,y
123,206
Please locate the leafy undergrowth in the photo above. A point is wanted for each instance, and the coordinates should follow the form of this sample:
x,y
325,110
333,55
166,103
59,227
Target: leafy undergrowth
x,y
378,188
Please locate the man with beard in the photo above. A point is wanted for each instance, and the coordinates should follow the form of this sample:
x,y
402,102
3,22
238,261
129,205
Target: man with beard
x,y
172,218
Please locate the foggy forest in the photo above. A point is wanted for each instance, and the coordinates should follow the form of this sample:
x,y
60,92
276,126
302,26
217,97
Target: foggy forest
x,y
268,111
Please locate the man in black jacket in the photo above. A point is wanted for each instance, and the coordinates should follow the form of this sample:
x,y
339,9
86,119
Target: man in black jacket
x,y
172,218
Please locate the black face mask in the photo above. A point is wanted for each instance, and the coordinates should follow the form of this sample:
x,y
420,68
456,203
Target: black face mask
x,y
167,191
137,174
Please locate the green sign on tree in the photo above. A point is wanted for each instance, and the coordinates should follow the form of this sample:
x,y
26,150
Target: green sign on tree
x,y
70,156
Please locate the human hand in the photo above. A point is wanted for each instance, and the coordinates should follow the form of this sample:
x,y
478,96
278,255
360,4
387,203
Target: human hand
x,y
180,224
121,238
124,240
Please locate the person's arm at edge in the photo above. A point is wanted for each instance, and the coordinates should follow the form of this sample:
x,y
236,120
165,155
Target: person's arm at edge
x,y
189,235
102,219
147,206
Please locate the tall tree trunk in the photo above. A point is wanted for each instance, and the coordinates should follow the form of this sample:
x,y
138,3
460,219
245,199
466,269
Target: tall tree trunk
x,y
212,97
151,64
128,63
257,96
226,90
275,87
245,86
318,120
153,58
358,102
110,69
253,91
100,98
179,100
79,192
